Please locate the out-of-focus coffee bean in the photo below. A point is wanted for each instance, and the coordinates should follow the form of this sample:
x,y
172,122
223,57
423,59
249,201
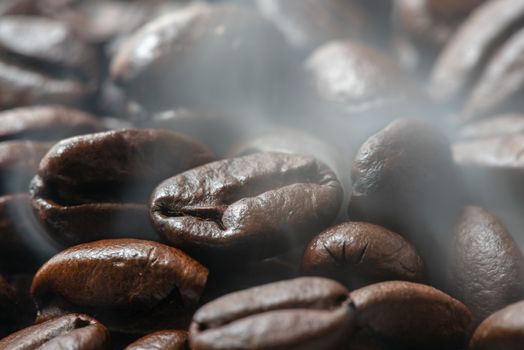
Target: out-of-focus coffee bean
x,y
131,285
503,330
250,207
44,62
68,332
358,253
304,313
500,125
209,56
166,340
487,266
96,186
404,179
411,316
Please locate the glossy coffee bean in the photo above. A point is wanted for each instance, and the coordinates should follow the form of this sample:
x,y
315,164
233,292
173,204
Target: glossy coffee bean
x,y
304,313
131,285
44,62
210,56
248,207
358,253
23,244
80,195
404,179
166,340
487,267
503,330
46,123
476,65
411,316
68,332
308,24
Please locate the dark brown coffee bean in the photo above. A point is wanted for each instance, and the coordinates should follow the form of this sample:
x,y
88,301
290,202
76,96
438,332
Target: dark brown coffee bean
x,y
404,179
97,185
295,141
43,62
165,340
248,207
306,24
23,244
17,7
411,316
487,267
19,162
358,253
131,285
475,46
356,85
204,56
503,330
46,123
68,332
304,313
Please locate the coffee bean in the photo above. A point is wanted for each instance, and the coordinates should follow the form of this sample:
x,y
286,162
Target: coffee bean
x,y
248,207
304,313
68,332
44,62
503,330
487,267
404,179
358,253
131,285
481,55
166,340
411,316
82,196
46,123
210,56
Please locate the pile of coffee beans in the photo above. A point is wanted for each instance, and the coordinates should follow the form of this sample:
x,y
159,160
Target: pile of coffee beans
x,y
261,174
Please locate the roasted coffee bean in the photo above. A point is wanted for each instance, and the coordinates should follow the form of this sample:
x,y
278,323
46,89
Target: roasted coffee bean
x,y
130,285
248,207
306,24
295,141
304,313
68,332
487,268
411,316
358,253
23,244
43,62
351,84
17,7
423,27
96,186
483,57
209,56
404,179
46,123
503,330
165,340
